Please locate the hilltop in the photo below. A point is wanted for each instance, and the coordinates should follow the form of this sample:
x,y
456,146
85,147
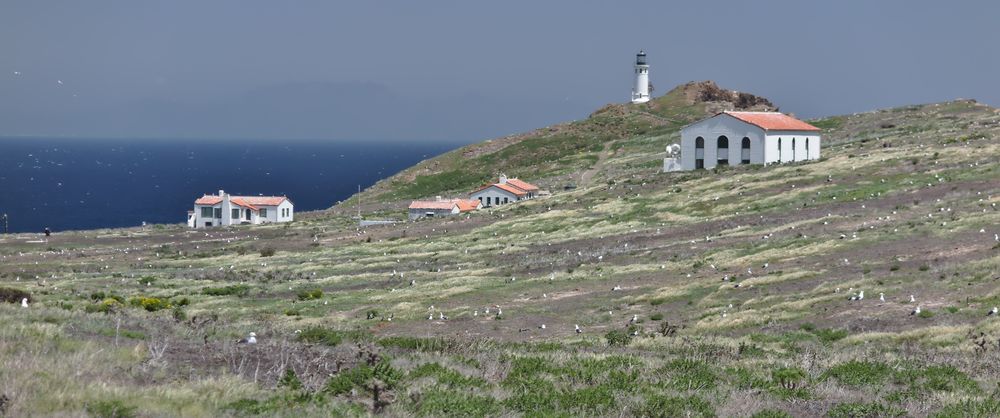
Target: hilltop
x,y
903,202
570,153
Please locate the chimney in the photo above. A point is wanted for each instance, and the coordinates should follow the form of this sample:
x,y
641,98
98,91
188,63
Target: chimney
x,y
439,199
222,192
503,179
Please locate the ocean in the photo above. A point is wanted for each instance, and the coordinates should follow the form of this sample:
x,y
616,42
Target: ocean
x,y
72,184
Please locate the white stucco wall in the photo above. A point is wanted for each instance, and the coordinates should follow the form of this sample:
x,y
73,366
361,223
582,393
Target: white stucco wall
x,y
785,154
711,129
493,193
287,204
273,214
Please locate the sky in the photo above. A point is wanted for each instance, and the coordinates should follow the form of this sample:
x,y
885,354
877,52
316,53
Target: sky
x,y
461,71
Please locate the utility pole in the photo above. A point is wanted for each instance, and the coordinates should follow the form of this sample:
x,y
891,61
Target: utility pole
x,y
359,201
4,216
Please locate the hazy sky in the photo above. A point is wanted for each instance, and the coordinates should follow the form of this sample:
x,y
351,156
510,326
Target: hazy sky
x,y
461,70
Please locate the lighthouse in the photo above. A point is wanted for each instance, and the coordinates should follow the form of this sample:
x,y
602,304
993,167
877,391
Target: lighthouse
x,y
640,93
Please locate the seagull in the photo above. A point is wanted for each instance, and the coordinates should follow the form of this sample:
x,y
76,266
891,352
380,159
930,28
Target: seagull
x,y
912,299
441,316
413,282
990,313
616,288
251,339
24,303
541,326
881,297
916,311
634,318
430,317
578,330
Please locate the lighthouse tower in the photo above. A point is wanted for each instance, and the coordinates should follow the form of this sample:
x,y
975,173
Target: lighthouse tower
x,y
640,93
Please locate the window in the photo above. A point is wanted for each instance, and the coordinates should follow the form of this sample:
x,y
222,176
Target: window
x,y
218,213
723,142
206,212
807,148
236,214
263,212
505,200
793,149
699,142
745,150
779,150
488,201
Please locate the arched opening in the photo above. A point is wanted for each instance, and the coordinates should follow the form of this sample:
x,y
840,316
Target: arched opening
x,y
779,150
722,150
745,150
699,152
807,148
793,149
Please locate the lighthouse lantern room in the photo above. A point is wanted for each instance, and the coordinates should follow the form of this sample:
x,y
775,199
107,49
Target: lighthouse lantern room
x,y
640,93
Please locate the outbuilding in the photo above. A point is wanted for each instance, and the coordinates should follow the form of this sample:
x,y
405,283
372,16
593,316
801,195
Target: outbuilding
x,y
507,190
733,138
440,207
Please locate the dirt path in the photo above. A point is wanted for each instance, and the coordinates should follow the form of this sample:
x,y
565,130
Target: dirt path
x,y
589,174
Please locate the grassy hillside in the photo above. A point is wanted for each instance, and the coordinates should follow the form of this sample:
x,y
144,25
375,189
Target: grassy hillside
x,y
903,203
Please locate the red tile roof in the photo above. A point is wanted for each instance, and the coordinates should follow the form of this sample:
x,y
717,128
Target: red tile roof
x,y
467,205
246,201
523,185
772,121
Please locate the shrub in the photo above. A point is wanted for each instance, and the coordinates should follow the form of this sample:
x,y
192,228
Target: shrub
x,y
450,403
656,317
239,290
926,313
11,295
989,407
676,406
179,314
290,380
830,335
320,335
689,374
417,343
110,409
267,251
859,373
788,377
108,305
618,338
149,304
310,294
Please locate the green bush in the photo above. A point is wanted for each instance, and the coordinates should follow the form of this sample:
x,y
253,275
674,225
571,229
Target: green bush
x,y
689,374
830,335
656,317
856,373
239,290
788,377
148,303
926,313
319,335
310,294
108,305
110,409
267,251
675,406
771,413
290,380
436,403
618,338
989,407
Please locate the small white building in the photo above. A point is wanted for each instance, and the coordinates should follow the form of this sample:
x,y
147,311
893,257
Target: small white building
x,y
223,209
733,138
505,191
440,207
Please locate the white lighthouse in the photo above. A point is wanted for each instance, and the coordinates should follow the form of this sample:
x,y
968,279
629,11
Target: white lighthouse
x,y
640,93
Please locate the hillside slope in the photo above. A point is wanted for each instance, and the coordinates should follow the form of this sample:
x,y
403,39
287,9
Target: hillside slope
x,y
563,154
738,280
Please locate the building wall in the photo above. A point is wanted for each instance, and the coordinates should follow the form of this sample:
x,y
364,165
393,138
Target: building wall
x,y
199,221
422,213
493,193
273,214
785,154
286,204
711,129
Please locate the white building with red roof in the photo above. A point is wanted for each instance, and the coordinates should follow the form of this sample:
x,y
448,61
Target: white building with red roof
x,y
441,207
224,209
507,190
732,138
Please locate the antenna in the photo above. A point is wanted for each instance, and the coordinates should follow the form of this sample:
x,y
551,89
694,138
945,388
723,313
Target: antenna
x,y
5,226
359,201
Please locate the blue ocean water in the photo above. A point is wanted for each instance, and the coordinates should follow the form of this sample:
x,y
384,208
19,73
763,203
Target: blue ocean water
x,y
68,184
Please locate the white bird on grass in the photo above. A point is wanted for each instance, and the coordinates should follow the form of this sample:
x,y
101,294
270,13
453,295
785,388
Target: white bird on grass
x,y
578,330
24,303
250,339
634,318
916,311
881,297
912,299
990,313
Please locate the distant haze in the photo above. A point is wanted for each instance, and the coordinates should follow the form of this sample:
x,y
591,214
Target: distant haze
x,y
458,70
